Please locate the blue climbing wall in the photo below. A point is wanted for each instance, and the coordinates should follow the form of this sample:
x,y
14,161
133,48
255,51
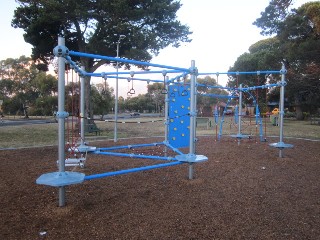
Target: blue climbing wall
x,y
179,119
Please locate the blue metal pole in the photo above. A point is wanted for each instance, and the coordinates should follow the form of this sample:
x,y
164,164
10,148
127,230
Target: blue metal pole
x,y
262,86
241,73
211,86
243,89
174,149
131,146
125,78
75,66
217,95
176,78
88,55
135,156
132,170
139,72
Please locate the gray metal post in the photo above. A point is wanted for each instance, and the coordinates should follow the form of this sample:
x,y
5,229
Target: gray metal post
x,y
239,112
281,105
281,145
190,173
116,98
166,113
196,112
61,120
117,93
82,109
193,114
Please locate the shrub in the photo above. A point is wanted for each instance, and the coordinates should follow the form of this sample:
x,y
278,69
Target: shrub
x,y
290,115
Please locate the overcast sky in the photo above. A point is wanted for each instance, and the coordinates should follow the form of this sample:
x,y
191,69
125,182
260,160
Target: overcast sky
x,y
222,31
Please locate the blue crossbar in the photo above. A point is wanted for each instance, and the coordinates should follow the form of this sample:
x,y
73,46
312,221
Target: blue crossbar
x,y
132,170
88,55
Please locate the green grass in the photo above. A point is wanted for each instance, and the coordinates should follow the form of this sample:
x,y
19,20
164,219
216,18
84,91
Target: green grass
x,y
28,135
47,134
291,128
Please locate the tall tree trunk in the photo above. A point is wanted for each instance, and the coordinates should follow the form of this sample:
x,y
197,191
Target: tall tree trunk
x,y
299,114
87,96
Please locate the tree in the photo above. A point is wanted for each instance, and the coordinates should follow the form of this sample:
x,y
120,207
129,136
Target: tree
x,y
155,93
102,98
273,15
262,55
298,32
95,26
46,85
139,103
121,104
205,102
17,75
6,88
24,88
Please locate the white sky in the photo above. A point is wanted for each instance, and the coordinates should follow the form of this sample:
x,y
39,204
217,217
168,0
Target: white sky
x,y
222,31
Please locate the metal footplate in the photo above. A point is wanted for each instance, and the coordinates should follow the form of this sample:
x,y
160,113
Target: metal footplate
x,y
191,158
240,136
281,145
85,149
60,179
70,162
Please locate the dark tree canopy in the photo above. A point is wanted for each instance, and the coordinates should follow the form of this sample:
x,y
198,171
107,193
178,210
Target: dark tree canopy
x,y
296,42
273,16
95,25
23,86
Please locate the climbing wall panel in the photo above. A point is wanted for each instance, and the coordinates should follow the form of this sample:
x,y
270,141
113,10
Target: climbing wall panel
x,y
179,118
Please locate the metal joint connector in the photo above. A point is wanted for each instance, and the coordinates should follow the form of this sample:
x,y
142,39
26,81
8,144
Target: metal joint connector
x,y
193,70
62,114
61,51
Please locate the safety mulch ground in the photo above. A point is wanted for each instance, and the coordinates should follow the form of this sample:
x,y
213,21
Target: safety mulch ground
x,y
241,192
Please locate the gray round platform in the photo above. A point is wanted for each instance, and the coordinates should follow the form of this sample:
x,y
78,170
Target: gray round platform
x,y
191,158
60,179
281,145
